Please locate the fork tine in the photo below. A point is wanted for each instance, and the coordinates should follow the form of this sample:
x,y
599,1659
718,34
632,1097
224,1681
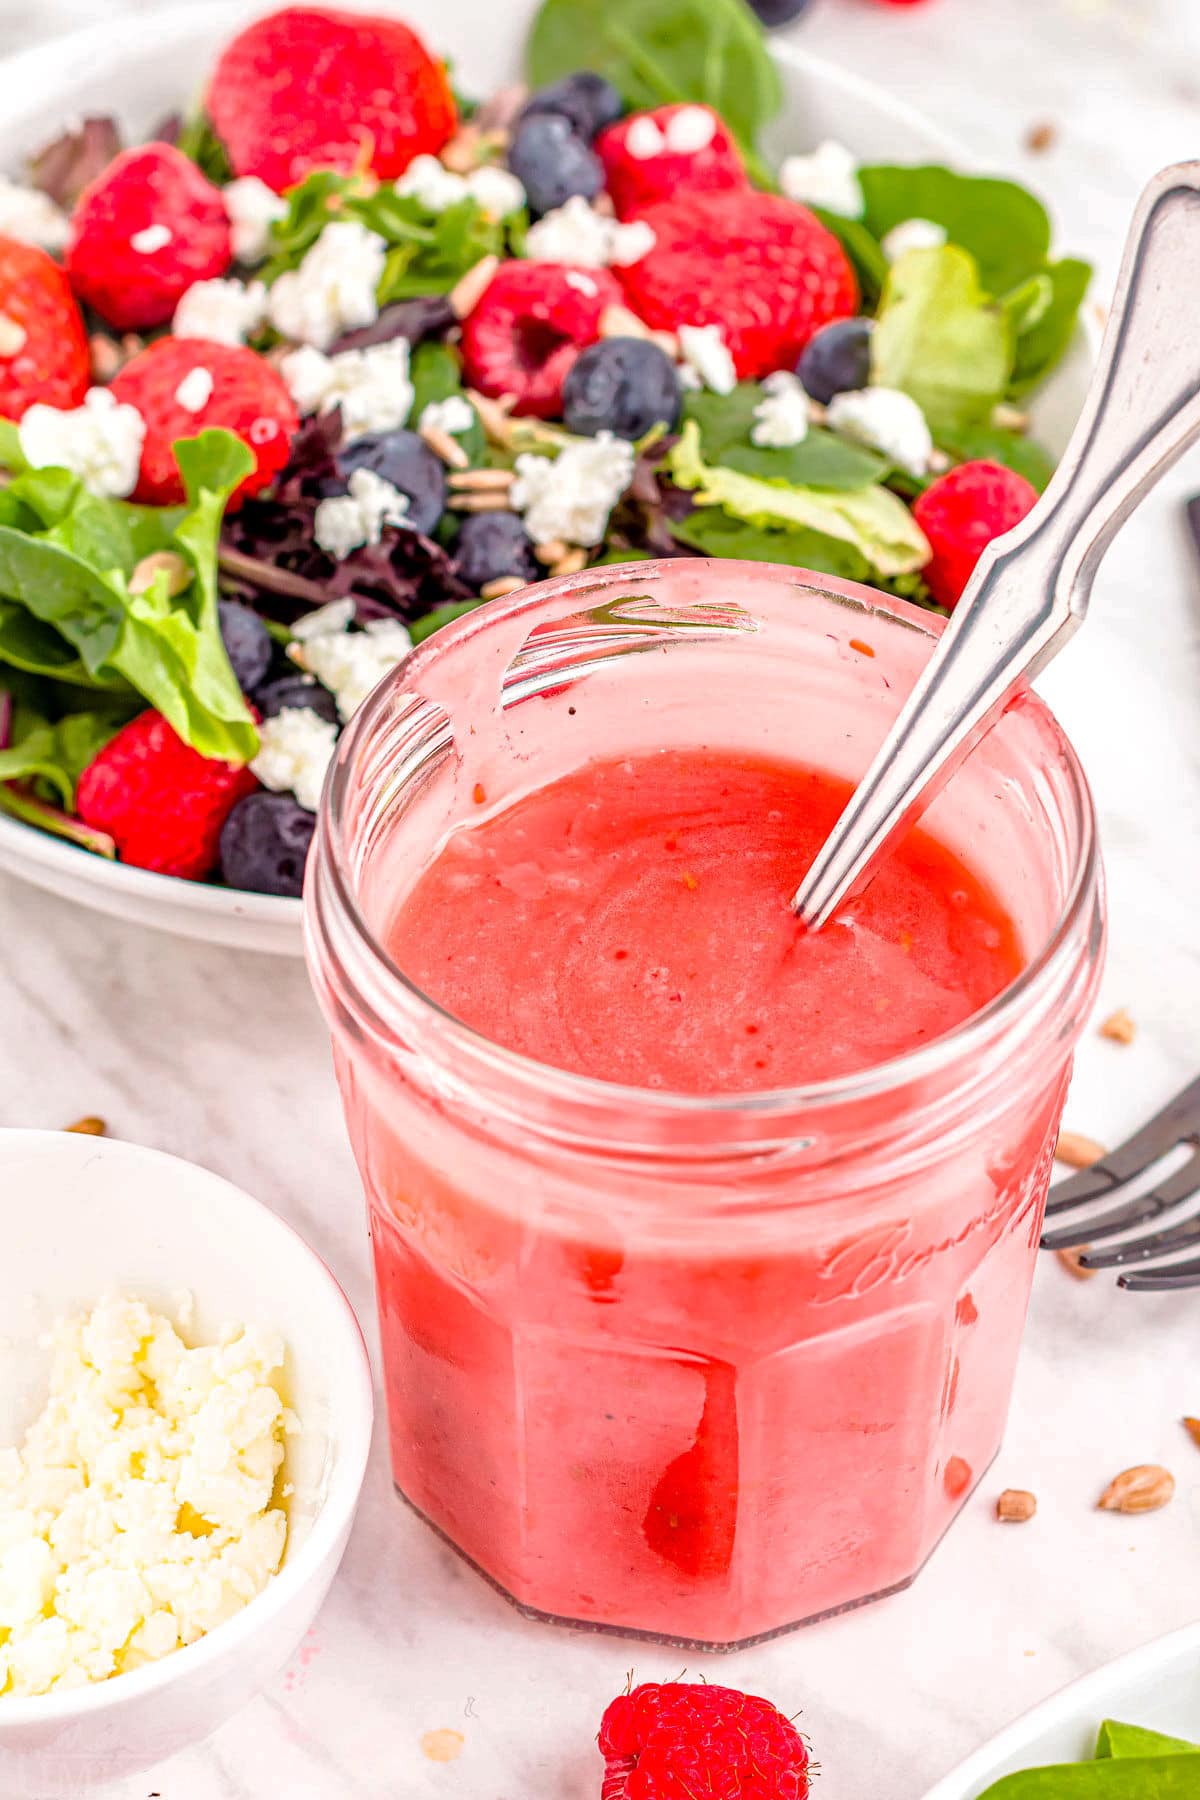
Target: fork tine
x,y
1143,1249
1178,1121
1163,1281
1160,1199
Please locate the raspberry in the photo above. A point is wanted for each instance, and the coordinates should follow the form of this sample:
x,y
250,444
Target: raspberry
x,y
759,267
528,328
162,802
43,345
961,513
680,1740
311,89
147,228
651,156
226,385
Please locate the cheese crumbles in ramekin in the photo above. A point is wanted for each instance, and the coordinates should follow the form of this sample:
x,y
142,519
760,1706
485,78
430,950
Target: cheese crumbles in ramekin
x,y
138,1512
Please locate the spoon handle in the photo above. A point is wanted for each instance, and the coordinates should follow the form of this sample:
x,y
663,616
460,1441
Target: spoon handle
x,y
1030,590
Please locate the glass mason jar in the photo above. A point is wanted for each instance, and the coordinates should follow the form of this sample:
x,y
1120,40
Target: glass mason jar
x,y
700,1368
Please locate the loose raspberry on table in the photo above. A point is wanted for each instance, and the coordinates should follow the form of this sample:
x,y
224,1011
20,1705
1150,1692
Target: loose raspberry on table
x,y
43,344
681,1740
142,233
653,156
161,801
531,323
310,88
759,267
183,386
961,513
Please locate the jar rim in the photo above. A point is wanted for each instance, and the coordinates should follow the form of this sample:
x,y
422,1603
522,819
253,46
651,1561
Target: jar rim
x,y
1043,972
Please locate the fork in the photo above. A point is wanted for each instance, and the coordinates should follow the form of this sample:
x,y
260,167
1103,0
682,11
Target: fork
x,y
1178,1124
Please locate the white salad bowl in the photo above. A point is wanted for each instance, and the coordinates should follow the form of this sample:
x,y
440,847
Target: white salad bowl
x,y
144,65
81,1217
1157,1687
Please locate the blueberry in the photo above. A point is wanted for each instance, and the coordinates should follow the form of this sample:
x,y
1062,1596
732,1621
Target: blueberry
x,y
405,460
295,690
586,99
264,842
779,12
491,546
837,359
553,163
622,385
247,643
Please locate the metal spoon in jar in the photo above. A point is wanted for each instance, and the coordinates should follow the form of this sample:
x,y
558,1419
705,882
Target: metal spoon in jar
x,y
1030,590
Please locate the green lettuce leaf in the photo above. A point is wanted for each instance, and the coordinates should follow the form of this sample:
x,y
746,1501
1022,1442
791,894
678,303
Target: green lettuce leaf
x,y
1116,1739
436,373
822,459
999,223
1044,342
941,339
57,755
994,443
717,533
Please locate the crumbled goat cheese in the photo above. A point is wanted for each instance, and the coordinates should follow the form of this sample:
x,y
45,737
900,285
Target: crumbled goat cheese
x,y
496,190
828,178
150,239
32,216
371,386
706,353
912,234
224,312
351,663
691,129
571,495
781,416
644,139
100,441
195,390
334,288
253,208
454,415
295,746
885,420
348,521
335,615
138,1512
576,234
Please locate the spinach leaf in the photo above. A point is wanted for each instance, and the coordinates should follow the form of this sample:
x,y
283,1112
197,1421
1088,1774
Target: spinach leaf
x,y
612,557
863,249
874,522
715,533
436,373
57,755
26,643
433,621
1042,344
198,140
821,459
940,339
1000,223
1134,1740
1135,1778
992,443
658,51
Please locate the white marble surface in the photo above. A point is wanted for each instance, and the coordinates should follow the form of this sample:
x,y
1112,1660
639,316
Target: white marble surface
x,y
222,1058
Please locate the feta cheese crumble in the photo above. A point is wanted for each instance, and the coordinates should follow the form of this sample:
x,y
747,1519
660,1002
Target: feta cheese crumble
x,y
334,289
100,441
195,390
349,663
912,234
150,239
371,386
571,495
253,208
707,355
346,522
576,234
295,746
828,178
885,420
138,1512
437,188
32,217
454,415
781,416
225,312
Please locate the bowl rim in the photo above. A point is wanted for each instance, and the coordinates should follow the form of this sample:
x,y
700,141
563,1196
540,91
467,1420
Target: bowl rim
x,y
354,1405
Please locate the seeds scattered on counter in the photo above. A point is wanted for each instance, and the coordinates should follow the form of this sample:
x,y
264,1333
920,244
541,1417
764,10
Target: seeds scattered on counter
x,y
1077,1151
1119,1027
1145,1488
1071,1261
1192,1427
90,1126
1016,1506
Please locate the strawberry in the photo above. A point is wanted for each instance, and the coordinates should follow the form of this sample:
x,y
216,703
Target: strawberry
x,y
528,328
652,156
758,266
680,1740
310,88
182,386
161,802
960,513
43,344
